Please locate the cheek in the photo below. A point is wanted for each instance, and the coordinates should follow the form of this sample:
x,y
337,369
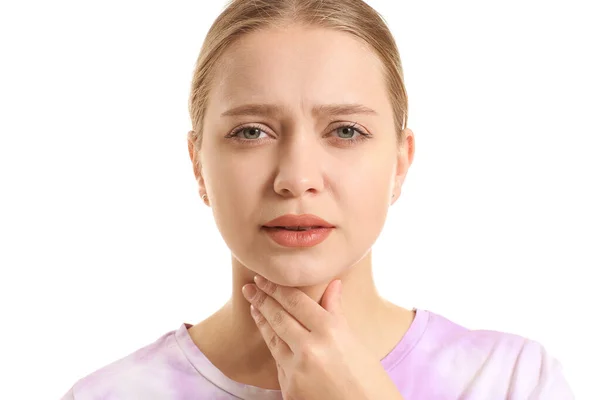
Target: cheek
x,y
366,192
227,197
236,194
230,175
238,187
367,183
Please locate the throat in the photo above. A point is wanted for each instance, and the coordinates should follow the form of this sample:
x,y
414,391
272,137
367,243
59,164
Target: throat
x,y
264,378
251,363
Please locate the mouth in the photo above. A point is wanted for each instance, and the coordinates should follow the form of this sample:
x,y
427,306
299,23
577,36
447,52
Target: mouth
x,y
304,230
297,236
295,228
298,222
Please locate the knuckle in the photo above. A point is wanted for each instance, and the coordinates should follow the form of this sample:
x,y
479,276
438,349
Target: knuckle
x,y
259,299
273,341
270,288
293,301
278,318
260,321
306,353
329,332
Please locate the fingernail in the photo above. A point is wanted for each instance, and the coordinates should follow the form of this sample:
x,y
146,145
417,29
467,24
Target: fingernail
x,y
260,281
249,291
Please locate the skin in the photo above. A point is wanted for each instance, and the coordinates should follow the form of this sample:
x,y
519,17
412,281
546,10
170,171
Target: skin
x,y
299,162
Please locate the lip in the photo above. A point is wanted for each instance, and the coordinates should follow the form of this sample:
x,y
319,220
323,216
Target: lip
x,y
304,220
295,239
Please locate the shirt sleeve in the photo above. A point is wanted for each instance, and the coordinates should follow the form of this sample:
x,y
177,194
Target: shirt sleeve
x,y
540,376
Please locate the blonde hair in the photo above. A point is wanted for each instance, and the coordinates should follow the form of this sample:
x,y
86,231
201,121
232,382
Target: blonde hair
x,y
351,16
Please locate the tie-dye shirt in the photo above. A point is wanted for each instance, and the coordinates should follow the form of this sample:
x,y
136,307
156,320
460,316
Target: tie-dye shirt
x,y
435,359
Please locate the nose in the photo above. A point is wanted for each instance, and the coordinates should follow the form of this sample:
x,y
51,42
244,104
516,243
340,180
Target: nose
x,y
300,167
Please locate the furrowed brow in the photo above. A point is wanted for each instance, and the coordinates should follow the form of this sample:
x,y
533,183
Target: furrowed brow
x,y
271,110
343,109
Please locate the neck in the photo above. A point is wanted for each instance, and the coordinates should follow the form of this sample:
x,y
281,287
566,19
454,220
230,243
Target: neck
x,y
377,323
358,279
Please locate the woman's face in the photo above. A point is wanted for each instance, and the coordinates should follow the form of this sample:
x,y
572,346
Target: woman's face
x,y
302,151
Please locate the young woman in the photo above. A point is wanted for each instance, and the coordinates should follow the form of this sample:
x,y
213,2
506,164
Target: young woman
x,y
299,145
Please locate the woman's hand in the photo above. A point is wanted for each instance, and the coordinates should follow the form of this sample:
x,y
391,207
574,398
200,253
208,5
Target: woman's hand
x,y
317,355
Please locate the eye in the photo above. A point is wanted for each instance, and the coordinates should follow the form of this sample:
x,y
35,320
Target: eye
x,y
350,134
249,135
348,131
345,134
251,132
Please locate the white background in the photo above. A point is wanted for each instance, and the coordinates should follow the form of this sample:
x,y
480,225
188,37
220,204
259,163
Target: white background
x,y
106,245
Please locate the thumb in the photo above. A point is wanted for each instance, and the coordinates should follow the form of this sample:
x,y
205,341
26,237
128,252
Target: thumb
x,y
332,298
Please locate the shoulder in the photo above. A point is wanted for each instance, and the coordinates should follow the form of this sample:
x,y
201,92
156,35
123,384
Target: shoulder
x,y
484,359
538,374
453,345
145,372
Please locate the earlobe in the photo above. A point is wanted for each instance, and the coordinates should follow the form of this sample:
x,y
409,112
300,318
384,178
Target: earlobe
x,y
394,196
205,198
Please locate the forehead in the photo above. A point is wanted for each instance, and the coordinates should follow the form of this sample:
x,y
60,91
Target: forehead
x,y
299,65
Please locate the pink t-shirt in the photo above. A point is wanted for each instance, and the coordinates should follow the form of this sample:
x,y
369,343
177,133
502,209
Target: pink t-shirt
x,y
436,359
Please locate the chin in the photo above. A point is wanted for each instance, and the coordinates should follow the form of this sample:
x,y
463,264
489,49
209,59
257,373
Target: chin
x,y
299,272
301,268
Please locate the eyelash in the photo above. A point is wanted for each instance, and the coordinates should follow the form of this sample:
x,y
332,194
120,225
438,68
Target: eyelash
x,y
361,134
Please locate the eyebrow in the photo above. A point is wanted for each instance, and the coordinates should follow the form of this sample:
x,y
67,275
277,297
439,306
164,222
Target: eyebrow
x,y
273,110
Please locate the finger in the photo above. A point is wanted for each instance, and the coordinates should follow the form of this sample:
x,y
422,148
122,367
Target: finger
x,y
332,298
284,325
297,303
279,349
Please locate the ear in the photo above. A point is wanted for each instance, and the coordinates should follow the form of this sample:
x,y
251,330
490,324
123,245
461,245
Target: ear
x,y
405,155
193,150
